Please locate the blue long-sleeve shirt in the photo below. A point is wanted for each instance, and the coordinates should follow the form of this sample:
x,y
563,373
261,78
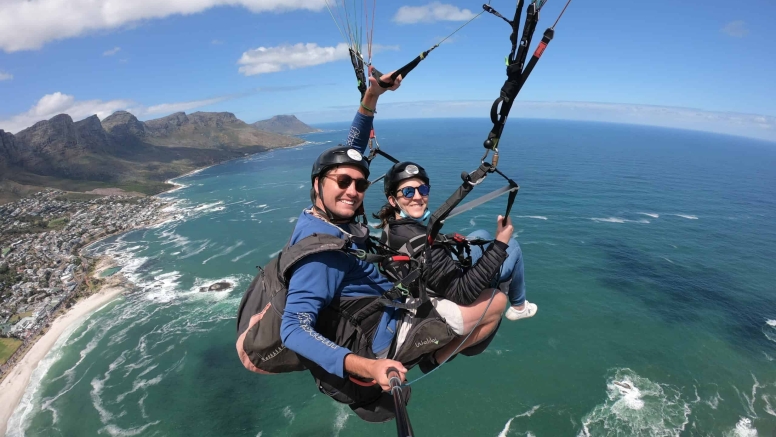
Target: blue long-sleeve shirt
x,y
319,278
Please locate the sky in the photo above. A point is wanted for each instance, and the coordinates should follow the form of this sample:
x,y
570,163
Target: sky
x,y
698,64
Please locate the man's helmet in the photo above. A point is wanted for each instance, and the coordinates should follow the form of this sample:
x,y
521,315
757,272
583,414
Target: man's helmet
x,y
339,155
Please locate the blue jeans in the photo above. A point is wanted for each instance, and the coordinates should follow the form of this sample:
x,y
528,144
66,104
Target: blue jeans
x,y
511,269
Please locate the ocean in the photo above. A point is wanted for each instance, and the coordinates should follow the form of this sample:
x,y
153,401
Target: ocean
x,y
649,251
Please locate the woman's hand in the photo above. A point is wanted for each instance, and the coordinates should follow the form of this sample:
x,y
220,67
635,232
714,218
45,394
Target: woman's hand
x,y
504,232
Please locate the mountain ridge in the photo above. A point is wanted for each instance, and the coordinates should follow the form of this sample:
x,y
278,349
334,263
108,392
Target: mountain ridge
x,y
124,152
285,125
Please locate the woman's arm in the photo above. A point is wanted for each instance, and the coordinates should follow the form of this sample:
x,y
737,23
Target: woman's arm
x,y
459,285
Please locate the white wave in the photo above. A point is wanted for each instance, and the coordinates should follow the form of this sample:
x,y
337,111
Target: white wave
x,y
687,216
650,214
226,251
342,417
239,257
265,211
770,330
749,400
637,406
292,219
713,402
208,206
617,220
274,254
668,260
263,205
743,428
288,414
22,414
528,413
161,288
374,225
769,407
117,431
537,217
472,222
205,244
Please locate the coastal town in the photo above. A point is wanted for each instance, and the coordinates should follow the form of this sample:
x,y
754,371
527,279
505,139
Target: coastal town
x,y
42,268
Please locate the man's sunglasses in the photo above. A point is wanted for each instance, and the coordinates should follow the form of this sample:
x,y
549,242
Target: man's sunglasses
x,y
409,192
344,181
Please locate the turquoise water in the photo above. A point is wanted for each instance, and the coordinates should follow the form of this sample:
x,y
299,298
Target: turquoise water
x,y
649,252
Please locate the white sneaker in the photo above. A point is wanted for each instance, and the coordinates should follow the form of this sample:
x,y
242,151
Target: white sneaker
x,y
529,311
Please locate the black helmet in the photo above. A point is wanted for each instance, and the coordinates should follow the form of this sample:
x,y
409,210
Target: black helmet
x,y
401,172
339,155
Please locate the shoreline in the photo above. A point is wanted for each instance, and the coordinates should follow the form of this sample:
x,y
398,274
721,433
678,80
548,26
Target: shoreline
x,y
15,384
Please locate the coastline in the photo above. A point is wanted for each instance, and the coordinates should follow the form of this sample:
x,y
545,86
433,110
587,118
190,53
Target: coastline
x,y
15,384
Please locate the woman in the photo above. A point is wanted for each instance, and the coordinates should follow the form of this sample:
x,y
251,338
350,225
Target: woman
x,y
407,188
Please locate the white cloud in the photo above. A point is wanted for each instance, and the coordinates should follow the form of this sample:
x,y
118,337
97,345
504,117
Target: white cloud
x,y
5,76
431,12
58,103
111,52
217,42
289,57
29,24
736,29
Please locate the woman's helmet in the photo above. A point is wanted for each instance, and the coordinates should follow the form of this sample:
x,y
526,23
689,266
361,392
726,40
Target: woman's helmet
x,y
401,172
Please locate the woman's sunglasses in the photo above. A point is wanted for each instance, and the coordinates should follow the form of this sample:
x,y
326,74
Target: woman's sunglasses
x,y
344,181
409,192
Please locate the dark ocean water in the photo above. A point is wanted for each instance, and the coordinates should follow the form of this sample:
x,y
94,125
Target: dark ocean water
x,y
649,251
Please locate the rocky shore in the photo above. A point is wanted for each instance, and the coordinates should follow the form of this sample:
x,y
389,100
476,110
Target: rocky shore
x,y
41,267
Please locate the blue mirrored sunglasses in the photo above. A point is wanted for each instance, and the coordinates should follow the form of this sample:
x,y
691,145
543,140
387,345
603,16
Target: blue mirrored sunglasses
x,y
409,192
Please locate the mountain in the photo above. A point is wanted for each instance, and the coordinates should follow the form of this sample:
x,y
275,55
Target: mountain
x,y
124,152
285,125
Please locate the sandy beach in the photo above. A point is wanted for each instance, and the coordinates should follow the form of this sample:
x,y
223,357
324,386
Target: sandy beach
x,y
13,387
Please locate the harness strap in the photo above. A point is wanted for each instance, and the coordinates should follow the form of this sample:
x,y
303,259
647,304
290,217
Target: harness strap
x,y
358,67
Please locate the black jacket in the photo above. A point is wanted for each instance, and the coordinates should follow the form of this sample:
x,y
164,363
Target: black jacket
x,y
446,277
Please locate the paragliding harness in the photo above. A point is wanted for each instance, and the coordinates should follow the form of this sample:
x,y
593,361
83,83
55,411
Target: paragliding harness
x,y
411,241
349,322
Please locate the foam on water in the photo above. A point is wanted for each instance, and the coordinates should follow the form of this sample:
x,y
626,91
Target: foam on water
x,y
687,216
743,428
341,418
274,254
226,251
537,217
288,414
650,214
528,413
617,220
637,406
770,330
239,257
21,415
